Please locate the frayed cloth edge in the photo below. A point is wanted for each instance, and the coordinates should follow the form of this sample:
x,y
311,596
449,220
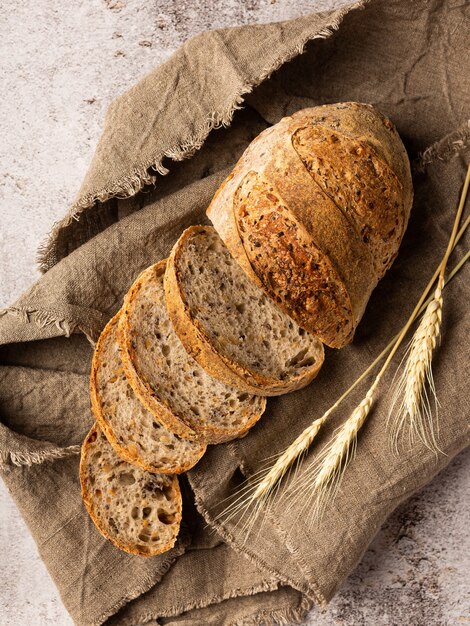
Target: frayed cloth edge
x,y
141,175
147,584
148,616
279,617
445,148
21,459
41,318
315,593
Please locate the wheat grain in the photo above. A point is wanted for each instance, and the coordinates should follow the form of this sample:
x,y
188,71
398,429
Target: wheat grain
x,y
287,458
414,411
320,480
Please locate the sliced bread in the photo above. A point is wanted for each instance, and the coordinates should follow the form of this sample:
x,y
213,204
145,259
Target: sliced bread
x,y
170,383
139,512
128,425
230,326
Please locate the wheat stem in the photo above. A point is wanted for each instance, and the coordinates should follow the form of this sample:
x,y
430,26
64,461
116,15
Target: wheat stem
x,y
414,407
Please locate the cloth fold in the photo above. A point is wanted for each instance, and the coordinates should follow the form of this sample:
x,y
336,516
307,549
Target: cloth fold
x,y
207,102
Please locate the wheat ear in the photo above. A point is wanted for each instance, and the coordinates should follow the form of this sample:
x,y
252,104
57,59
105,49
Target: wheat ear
x,y
411,407
324,476
320,480
414,394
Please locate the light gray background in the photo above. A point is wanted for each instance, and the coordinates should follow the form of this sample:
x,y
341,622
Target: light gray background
x,y
61,63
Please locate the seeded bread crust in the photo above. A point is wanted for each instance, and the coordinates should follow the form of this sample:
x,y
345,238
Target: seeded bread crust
x,y
197,342
298,159
109,484
365,123
230,415
129,427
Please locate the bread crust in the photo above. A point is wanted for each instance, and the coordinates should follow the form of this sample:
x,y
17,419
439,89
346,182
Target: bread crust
x,y
142,388
131,456
90,507
199,345
339,232
361,185
364,122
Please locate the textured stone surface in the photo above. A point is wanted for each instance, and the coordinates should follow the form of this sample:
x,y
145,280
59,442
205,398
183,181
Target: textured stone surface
x,y
60,68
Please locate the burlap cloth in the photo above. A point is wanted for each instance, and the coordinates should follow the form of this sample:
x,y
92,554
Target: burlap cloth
x,y
407,58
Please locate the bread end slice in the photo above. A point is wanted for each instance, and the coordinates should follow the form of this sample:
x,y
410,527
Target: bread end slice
x,y
137,511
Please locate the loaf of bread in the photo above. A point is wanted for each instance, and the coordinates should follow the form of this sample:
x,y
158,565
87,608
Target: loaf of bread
x,y
139,512
167,380
129,426
229,325
308,222
315,211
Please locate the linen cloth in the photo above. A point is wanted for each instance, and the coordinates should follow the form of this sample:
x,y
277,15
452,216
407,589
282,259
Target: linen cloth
x,y
202,107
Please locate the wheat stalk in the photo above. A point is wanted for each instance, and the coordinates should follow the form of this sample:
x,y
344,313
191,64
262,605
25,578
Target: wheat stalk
x,y
411,395
415,392
322,478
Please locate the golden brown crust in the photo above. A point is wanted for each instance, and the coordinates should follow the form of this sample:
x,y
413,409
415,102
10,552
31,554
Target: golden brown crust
x,y
359,262
328,229
361,184
142,388
296,273
90,505
363,122
222,216
199,345
128,453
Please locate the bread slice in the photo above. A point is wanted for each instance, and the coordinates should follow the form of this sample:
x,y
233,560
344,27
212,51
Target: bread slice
x,y
229,325
139,512
130,427
170,383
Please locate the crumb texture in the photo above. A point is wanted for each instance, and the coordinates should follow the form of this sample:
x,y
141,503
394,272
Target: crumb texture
x,y
175,378
138,511
128,424
243,323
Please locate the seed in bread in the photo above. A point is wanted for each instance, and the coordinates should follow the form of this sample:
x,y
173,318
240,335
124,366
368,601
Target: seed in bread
x,y
138,511
228,323
170,383
128,425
